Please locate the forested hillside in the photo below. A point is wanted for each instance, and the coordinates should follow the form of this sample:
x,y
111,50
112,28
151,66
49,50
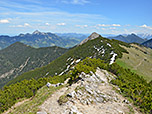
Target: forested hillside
x,y
131,85
102,48
19,58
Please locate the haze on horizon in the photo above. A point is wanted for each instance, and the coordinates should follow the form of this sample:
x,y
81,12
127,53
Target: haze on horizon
x,y
75,16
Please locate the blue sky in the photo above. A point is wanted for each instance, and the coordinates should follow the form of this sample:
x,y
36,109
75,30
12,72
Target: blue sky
x,y
78,16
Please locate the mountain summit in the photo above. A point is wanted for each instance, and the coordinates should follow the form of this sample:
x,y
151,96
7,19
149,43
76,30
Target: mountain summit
x,y
37,32
94,35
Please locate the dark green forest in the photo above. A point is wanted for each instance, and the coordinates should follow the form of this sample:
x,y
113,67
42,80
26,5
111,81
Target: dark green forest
x,y
20,58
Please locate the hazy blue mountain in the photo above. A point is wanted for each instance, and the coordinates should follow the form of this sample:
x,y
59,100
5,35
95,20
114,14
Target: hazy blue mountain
x,y
38,39
76,36
131,38
148,43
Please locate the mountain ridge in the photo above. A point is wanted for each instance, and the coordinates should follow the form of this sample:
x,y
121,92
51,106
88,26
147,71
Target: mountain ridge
x,y
38,39
130,38
94,35
105,49
147,43
19,58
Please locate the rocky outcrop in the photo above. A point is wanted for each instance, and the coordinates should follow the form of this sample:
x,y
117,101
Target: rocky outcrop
x,y
94,35
92,94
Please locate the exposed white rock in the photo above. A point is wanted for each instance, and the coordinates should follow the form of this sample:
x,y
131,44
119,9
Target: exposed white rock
x,y
93,94
48,84
47,73
109,44
75,110
77,61
72,63
113,58
98,49
103,51
61,73
68,58
41,112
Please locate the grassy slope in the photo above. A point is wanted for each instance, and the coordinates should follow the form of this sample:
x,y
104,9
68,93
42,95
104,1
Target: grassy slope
x,y
32,106
138,61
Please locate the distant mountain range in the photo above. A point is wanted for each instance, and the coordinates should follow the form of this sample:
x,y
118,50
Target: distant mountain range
x,y
145,36
131,38
41,39
148,43
77,36
19,58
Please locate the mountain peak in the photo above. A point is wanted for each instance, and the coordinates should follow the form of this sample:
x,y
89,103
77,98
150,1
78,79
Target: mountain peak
x,y
37,32
94,35
133,34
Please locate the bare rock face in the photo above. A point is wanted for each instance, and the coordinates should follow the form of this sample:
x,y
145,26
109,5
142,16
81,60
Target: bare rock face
x,y
92,94
94,35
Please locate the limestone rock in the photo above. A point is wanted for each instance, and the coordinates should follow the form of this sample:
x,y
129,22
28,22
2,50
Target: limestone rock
x,y
94,35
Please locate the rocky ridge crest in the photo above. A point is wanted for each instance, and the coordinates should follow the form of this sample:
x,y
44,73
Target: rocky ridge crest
x,y
92,94
94,35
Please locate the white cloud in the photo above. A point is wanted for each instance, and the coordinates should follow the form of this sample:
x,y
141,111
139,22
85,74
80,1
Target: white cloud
x,y
78,2
105,25
47,24
145,26
116,25
61,24
112,28
82,26
4,21
24,25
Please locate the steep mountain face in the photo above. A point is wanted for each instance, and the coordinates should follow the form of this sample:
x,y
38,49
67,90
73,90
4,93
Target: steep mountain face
x,y
129,38
98,47
19,58
38,39
147,43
